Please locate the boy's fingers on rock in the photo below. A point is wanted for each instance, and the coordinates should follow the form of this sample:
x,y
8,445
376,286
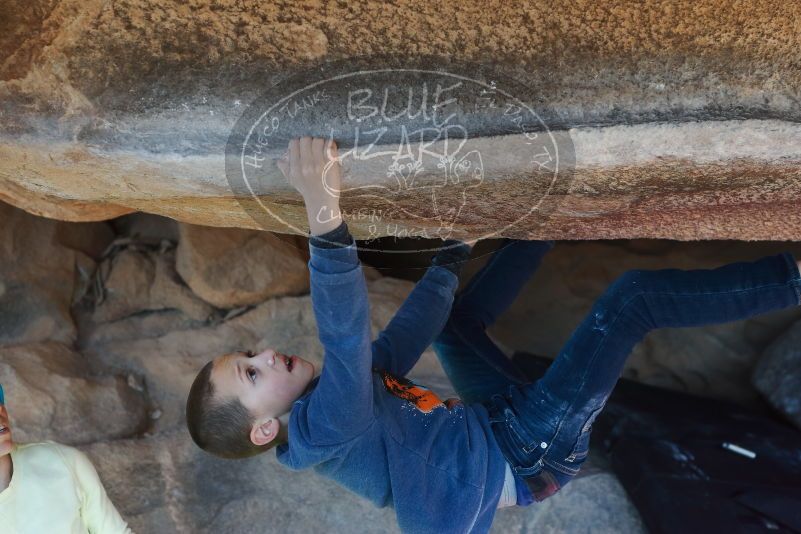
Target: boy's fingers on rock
x,y
331,151
294,155
318,149
305,149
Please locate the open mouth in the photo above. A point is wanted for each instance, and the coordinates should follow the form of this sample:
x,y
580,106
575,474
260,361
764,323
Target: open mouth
x,y
289,361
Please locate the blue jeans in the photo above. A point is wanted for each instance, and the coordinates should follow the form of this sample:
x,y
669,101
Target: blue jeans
x,y
543,428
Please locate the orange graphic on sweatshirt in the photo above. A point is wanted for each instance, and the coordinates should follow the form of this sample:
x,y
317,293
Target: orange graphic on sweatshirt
x,y
422,398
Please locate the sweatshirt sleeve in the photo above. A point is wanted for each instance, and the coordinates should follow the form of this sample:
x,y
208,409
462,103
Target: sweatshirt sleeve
x,y
341,406
423,314
417,323
98,512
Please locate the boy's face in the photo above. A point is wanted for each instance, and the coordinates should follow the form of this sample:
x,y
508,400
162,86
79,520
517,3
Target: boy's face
x,y
266,383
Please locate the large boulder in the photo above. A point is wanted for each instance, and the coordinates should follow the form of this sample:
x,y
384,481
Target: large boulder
x,y
229,267
141,325
683,115
31,313
90,239
45,266
778,374
143,280
37,275
51,393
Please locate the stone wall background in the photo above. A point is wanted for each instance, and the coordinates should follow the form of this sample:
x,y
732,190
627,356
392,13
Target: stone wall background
x,y
104,325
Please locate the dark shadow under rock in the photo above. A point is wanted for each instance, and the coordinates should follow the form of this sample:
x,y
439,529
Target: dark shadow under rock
x,y
778,374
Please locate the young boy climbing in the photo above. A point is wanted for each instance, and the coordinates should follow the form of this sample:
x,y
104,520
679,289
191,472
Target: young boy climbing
x,y
447,466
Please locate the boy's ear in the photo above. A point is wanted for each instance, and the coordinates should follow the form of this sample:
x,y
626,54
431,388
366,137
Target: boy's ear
x,y
263,432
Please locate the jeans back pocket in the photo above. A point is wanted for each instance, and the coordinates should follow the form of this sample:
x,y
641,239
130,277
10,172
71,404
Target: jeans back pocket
x,y
523,438
530,444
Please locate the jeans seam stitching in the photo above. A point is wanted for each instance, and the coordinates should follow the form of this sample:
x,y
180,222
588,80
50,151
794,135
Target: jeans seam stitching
x,y
561,469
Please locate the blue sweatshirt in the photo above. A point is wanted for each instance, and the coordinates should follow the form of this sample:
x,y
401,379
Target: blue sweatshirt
x,y
368,428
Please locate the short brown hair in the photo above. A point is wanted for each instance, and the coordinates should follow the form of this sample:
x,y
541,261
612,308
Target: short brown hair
x,y
220,428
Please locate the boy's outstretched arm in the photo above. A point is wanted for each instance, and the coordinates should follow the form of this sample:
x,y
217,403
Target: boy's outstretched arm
x,y
341,406
424,313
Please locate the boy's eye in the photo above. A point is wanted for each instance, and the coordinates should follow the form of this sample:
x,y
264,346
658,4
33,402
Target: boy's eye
x,y
249,353
251,373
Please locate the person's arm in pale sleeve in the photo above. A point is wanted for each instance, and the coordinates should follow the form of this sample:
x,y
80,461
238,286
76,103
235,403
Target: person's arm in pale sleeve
x,y
97,511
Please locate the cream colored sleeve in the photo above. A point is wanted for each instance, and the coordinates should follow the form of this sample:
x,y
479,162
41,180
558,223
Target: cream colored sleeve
x,y
98,512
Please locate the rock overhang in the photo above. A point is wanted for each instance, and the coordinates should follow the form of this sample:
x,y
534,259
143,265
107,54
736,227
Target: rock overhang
x,y
683,124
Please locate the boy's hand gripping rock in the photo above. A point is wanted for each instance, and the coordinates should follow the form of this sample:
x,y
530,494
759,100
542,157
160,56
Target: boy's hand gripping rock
x,y
312,166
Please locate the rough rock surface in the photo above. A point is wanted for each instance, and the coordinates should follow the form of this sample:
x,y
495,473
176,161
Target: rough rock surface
x,y
683,113
230,268
52,394
593,504
135,281
162,484
39,274
778,374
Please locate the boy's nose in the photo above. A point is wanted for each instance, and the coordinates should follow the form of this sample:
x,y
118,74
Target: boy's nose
x,y
267,356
